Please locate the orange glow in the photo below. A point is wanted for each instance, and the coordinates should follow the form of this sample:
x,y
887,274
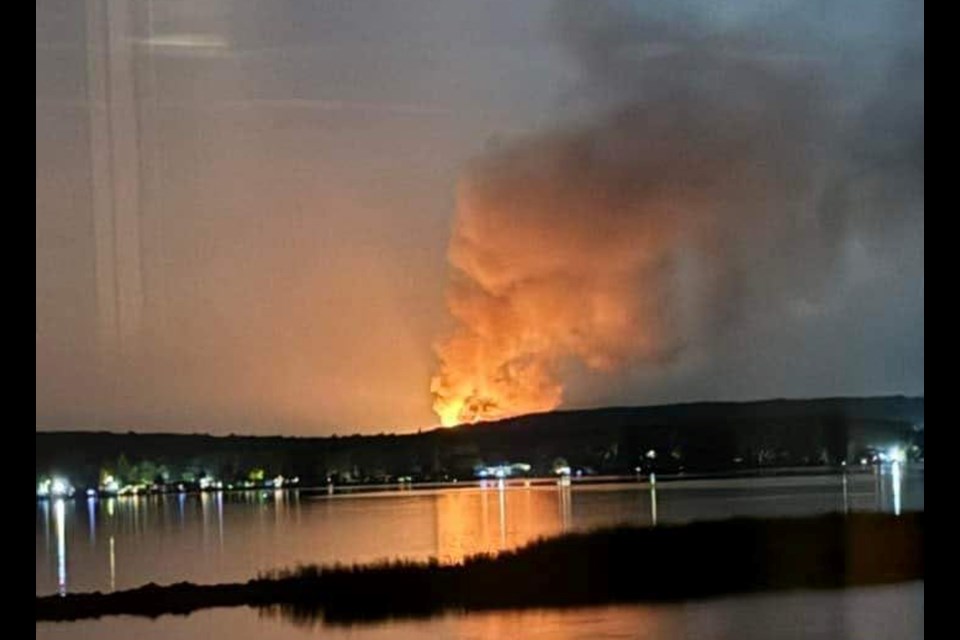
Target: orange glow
x,y
545,274
491,390
449,411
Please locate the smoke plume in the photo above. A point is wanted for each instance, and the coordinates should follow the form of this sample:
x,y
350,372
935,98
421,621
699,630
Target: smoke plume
x,y
713,167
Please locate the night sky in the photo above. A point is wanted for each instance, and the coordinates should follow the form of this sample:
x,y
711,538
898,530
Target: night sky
x,y
318,207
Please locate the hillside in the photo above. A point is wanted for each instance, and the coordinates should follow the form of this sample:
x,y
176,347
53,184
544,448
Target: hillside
x,y
691,437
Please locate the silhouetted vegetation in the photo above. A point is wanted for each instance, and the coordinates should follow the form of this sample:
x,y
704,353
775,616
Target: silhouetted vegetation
x,y
623,564
687,437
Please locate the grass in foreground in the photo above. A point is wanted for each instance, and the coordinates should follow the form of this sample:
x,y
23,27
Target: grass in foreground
x,y
614,565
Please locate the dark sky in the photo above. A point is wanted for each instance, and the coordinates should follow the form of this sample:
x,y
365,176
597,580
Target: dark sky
x,y
245,211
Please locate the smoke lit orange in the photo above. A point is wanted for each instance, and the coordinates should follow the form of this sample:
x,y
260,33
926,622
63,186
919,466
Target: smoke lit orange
x,y
546,272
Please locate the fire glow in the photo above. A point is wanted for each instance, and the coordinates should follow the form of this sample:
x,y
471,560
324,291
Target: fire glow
x,y
546,273
712,187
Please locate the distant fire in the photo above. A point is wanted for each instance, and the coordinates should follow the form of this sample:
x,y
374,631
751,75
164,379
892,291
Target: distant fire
x,y
722,185
484,394
548,273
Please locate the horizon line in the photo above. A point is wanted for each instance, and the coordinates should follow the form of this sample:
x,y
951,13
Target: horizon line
x,y
438,427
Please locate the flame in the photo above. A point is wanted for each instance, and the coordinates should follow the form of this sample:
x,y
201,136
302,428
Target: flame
x,y
491,391
566,246
688,207
542,276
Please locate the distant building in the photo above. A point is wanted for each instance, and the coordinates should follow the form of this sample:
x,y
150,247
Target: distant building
x,y
505,470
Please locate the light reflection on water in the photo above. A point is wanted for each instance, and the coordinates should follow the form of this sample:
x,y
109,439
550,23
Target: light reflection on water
x,y
113,565
653,503
217,537
60,519
874,613
896,481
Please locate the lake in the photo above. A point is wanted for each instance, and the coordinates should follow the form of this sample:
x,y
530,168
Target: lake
x,y
119,543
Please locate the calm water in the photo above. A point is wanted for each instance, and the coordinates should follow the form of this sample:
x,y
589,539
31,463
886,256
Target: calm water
x,y
877,613
121,543
214,537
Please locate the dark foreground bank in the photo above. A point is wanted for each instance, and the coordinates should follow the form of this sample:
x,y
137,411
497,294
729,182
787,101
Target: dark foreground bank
x,y
623,564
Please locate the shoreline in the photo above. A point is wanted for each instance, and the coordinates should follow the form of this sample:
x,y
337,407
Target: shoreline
x,y
643,479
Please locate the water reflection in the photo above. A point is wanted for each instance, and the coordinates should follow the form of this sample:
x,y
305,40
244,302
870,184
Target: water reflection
x,y
219,501
876,613
846,501
45,510
503,514
92,520
134,513
653,501
205,499
60,525
896,479
463,524
113,565
496,516
221,537
563,492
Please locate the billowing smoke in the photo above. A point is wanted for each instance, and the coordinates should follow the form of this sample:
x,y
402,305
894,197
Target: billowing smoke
x,y
718,166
